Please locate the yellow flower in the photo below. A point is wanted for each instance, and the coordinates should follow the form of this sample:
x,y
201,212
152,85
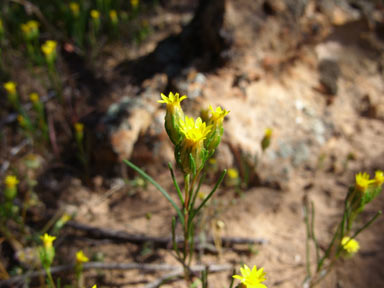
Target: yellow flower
x,y
79,127
47,240
113,16
218,115
194,131
268,132
94,286
173,116
34,97
379,178
10,87
75,8
30,29
134,3
350,245
173,101
363,181
11,181
81,258
233,173
49,47
251,278
22,121
95,14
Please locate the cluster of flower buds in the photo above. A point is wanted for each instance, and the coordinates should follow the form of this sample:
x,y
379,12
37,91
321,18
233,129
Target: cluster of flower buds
x,y
30,30
49,50
195,140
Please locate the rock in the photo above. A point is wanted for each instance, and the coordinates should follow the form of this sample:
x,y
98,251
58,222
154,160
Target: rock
x,y
329,73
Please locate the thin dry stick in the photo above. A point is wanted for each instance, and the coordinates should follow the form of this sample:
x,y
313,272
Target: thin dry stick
x,y
166,242
86,266
111,266
175,275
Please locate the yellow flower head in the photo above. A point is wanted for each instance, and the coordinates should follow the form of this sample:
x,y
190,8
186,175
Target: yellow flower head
x,y
10,87
49,47
350,245
22,121
379,178
134,3
75,8
95,14
251,278
30,29
11,181
34,97
233,173
94,286
194,131
363,181
79,127
268,133
47,240
81,258
218,115
113,16
172,101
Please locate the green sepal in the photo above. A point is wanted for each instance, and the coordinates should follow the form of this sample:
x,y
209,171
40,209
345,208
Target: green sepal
x,y
192,164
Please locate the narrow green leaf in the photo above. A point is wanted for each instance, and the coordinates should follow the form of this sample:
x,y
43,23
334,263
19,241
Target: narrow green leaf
x,y
157,185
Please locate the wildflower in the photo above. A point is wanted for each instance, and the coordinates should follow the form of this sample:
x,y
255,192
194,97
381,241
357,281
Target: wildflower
x,y
251,278
216,120
266,141
10,87
47,240
49,47
22,121
79,127
81,258
191,153
113,17
379,178
194,131
363,181
49,50
134,3
11,181
173,116
233,173
75,8
217,115
34,97
95,14
79,132
351,246
47,251
30,29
